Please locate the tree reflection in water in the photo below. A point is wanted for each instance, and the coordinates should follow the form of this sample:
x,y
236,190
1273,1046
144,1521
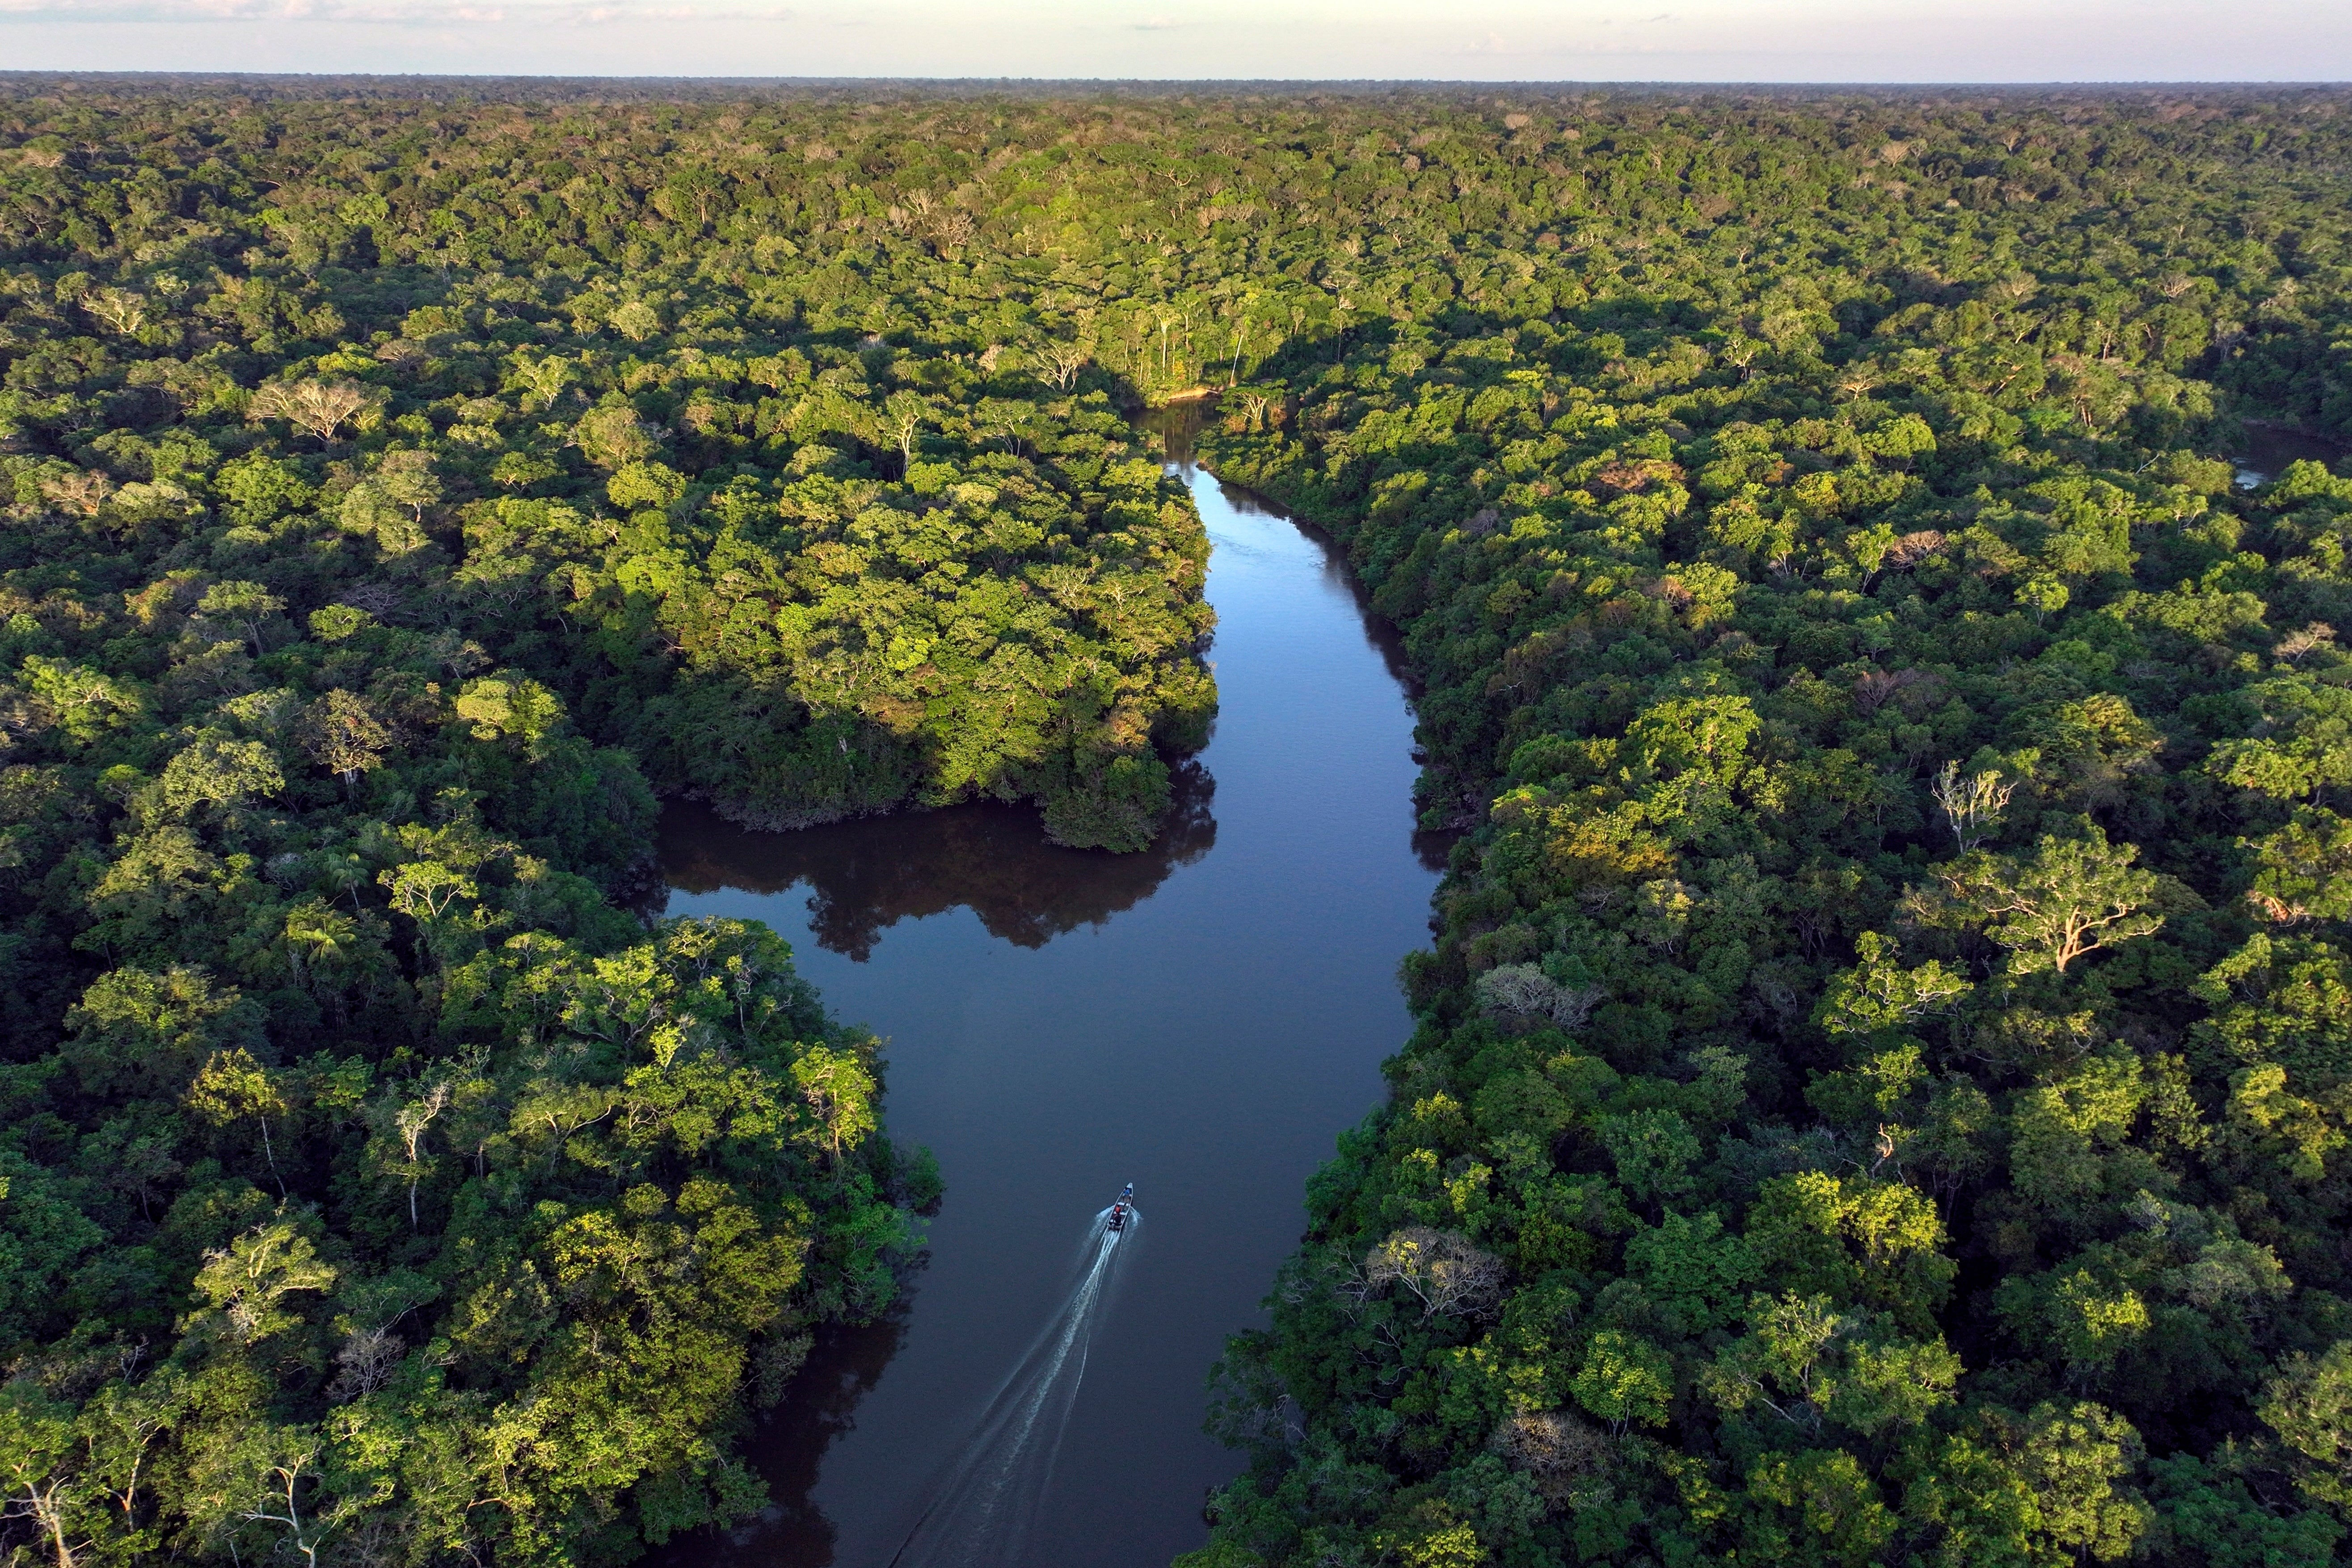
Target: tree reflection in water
x,y
867,875
819,1405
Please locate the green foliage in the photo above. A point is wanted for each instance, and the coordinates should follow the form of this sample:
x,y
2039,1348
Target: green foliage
x,y
377,1182
1888,1018
1883,1072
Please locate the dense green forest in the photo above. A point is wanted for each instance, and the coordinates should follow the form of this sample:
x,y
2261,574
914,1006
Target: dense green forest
x,y
377,1184
1884,1086
1882,1081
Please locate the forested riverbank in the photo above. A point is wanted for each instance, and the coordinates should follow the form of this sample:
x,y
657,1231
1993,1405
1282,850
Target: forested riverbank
x,y
1880,1086
1198,1020
379,1181
1880,1082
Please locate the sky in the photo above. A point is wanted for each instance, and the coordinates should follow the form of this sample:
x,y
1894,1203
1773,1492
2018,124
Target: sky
x,y
1469,40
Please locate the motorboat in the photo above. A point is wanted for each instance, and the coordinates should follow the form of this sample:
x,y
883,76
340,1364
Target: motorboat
x,y
1123,1208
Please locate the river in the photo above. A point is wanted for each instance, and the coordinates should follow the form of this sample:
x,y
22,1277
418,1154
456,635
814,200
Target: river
x,y
1202,1019
2268,448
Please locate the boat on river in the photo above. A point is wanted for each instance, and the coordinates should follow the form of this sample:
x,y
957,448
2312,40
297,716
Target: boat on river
x,y
1123,1209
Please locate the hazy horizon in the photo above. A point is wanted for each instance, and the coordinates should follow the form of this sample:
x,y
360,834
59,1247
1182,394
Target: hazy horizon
x,y
1796,42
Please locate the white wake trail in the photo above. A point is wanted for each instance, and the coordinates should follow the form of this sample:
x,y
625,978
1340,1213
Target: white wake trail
x,y
984,1501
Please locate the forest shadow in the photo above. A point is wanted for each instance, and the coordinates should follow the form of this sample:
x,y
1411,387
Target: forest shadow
x,y
865,876
1176,426
787,1450
2264,448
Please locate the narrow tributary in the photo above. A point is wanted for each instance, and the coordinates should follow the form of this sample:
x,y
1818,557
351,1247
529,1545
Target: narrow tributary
x,y
1202,1020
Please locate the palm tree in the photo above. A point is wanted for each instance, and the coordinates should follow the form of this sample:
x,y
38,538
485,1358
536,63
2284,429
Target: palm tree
x,y
316,934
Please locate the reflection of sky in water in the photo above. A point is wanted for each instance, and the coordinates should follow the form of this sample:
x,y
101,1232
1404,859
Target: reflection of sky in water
x,y
1202,1020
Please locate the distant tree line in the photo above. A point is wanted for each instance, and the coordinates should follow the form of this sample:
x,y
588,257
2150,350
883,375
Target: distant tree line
x,y
1880,1089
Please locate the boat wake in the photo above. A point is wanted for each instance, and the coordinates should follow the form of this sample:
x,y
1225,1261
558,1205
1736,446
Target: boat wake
x,y
979,1509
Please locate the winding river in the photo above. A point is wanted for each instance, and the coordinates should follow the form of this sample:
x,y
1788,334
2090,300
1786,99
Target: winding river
x,y
1202,1020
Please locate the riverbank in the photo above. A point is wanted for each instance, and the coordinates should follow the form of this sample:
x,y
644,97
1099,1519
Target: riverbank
x,y
1203,1019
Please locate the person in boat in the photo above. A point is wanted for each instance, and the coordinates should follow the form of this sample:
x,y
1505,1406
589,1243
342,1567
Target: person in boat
x,y
1121,1209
